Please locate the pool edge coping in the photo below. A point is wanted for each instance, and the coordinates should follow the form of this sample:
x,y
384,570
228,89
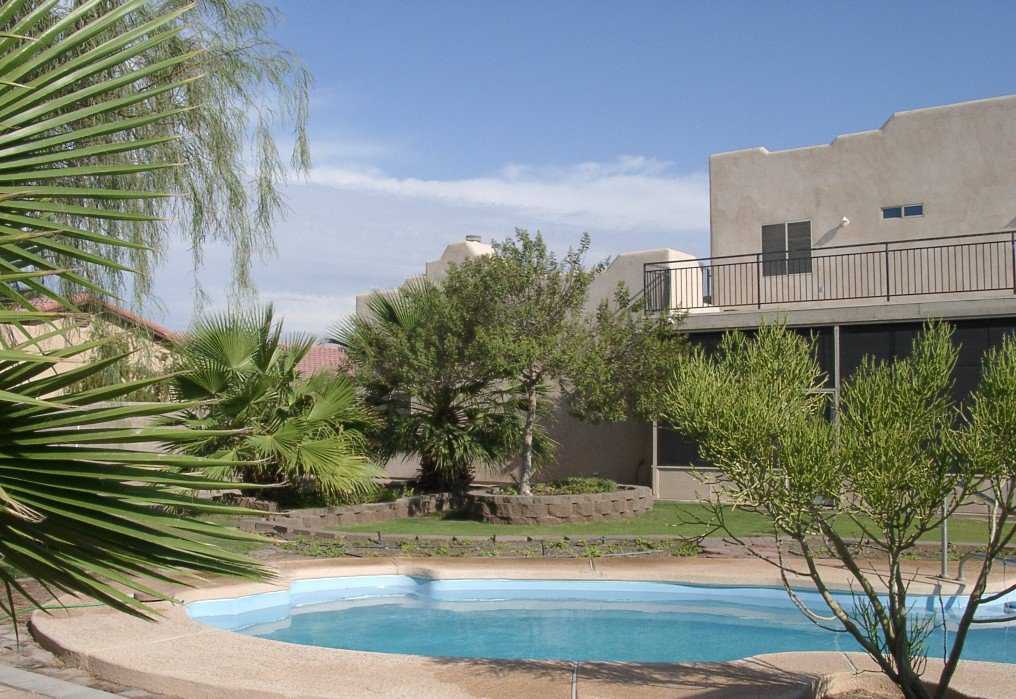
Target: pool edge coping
x,y
172,656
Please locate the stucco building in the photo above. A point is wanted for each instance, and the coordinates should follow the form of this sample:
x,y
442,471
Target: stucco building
x,y
858,241
149,344
92,318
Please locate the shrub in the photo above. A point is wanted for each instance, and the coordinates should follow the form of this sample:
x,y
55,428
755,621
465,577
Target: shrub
x,y
576,485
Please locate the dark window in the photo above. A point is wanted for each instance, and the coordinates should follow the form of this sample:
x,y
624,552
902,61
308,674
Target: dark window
x,y
799,247
892,212
786,248
913,210
774,249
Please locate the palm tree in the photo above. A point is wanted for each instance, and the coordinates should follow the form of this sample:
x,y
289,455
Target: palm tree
x,y
295,431
413,356
81,511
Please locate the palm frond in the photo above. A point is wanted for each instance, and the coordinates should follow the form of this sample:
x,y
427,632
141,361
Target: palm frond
x,y
101,520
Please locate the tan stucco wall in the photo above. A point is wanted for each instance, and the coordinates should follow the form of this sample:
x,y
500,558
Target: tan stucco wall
x,y
76,330
619,451
435,270
456,253
629,268
956,160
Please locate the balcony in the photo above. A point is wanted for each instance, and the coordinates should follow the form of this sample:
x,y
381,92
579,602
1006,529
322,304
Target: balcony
x,y
941,268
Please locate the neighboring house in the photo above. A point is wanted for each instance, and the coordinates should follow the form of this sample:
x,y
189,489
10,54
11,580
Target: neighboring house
x,y
90,319
859,242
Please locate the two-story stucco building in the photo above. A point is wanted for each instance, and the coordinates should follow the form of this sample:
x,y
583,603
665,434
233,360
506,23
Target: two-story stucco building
x,y
858,241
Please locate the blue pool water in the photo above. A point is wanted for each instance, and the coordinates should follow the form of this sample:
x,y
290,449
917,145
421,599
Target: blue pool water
x,y
564,619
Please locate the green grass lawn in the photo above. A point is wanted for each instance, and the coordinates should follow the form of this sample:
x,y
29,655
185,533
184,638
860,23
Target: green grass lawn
x,y
667,518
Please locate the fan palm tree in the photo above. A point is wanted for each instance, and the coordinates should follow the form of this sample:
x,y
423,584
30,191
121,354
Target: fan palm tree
x,y
85,507
412,355
295,431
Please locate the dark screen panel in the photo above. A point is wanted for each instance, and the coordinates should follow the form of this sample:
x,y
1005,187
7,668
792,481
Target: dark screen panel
x,y
799,247
675,449
774,249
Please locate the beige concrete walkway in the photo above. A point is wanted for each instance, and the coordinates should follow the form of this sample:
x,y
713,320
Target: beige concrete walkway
x,y
181,657
21,684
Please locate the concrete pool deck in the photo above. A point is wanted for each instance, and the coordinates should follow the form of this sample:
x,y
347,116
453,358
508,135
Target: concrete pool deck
x,y
178,656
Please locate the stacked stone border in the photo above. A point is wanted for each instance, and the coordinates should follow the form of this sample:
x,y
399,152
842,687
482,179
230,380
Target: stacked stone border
x,y
626,501
484,505
320,518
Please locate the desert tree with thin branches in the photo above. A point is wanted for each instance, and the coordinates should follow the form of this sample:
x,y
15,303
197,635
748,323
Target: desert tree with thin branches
x,y
899,459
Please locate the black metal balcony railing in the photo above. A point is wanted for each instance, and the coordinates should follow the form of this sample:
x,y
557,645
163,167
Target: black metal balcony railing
x,y
961,264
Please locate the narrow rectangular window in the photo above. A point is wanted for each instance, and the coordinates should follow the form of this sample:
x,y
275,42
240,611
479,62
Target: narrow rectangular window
x,y
913,210
799,247
774,249
892,212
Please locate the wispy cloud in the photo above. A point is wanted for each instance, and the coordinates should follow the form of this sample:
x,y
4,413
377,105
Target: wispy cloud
x,y
631,193
353,228
309,313
346,150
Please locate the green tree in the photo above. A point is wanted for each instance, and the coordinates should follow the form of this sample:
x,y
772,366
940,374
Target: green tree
x,y
219,128
623,359
287,431
417,358
532,304
898,451
80,511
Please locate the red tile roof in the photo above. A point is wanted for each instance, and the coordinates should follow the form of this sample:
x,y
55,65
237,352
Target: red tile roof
x,y
85,301
322,358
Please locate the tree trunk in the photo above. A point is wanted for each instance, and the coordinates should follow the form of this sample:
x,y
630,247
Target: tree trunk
x,y
909,680
526,477
429,480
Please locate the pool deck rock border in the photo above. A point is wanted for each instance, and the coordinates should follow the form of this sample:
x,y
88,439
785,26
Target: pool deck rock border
x,y
177,656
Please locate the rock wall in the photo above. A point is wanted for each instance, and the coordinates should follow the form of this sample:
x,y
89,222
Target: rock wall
x,y
626,501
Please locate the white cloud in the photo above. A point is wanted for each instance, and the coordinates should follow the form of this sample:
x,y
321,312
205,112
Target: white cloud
x,y
309,313
299,310
337,149
631,193
352,229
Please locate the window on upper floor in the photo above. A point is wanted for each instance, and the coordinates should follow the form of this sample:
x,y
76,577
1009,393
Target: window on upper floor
x,y
786,248
902,211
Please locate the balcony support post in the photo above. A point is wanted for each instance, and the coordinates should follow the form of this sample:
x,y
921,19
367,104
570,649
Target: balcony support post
x,y
888,289
758,279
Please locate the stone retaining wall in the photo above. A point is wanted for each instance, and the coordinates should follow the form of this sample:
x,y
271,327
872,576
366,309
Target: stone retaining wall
x,y
367,513
626,501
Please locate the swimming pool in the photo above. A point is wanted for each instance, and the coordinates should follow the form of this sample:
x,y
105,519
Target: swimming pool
x,y
565,619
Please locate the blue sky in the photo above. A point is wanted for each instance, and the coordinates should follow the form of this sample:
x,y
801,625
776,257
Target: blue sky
x,y
435,119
